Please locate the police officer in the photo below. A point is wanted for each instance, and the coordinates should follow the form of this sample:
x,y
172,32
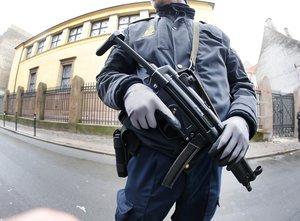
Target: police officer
x,y
167,40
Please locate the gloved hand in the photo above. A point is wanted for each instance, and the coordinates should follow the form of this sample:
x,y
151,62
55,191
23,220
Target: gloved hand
x,y
233,143
141,103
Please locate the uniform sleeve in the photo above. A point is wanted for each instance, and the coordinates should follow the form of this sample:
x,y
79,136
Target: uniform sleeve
x,y
243,98
116,77
242,92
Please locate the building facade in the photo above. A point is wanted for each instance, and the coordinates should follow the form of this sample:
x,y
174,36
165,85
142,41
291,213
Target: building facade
x,y
58,54
279,60
12,37
278,78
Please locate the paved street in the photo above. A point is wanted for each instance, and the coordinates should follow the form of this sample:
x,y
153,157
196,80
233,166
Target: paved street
x,y
34,174
275,195
77,182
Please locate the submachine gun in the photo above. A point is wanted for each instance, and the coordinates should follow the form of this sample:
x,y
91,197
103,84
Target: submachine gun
x,y
200,127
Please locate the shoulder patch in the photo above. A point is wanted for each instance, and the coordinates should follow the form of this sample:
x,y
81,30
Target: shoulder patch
x,y
143,19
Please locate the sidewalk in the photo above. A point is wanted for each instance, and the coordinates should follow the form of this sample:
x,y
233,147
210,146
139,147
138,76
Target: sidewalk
x,y
94,143
104,144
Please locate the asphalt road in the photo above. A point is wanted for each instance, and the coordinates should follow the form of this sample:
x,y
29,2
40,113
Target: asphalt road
x,y
38,174
275,195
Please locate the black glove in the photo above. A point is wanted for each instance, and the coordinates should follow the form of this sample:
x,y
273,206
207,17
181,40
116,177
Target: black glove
x,y
233,143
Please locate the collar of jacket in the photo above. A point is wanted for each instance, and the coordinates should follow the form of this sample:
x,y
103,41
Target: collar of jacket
x,y
176,10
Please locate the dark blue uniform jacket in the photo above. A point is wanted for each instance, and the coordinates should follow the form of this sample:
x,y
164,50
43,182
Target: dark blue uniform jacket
x,y
167,40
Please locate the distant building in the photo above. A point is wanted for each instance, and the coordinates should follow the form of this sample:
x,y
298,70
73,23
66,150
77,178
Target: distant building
x,y
279,60
250,70
59,53
12,37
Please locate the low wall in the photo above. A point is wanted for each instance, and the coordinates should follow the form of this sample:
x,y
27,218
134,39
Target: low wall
x,y
61,126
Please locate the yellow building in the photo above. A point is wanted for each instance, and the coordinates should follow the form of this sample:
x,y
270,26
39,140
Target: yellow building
x,y
59,53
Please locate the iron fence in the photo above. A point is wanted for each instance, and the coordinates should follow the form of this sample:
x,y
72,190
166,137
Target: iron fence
x,y
283,115
94,111
11,100
57,104
1,105
28,103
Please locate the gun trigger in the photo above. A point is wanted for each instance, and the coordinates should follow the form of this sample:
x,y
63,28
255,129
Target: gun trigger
x,y
184,77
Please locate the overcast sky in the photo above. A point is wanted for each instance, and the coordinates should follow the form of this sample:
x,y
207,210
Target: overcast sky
x,y
242,20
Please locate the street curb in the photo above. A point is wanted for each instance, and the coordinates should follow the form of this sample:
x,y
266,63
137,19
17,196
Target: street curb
x,y
58,143
111,154
273,154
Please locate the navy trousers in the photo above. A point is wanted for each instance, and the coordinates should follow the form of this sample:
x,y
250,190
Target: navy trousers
x,y
196,192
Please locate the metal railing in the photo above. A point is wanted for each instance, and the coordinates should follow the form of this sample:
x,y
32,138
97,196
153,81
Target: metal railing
x,y
57,104
28,103
283,115
94,111
11,100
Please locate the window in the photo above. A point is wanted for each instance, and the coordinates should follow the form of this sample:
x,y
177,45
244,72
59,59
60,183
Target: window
x,y
29,52
55,40
99,28
32,80
124,21
66,76
75,34
41,46
66,72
